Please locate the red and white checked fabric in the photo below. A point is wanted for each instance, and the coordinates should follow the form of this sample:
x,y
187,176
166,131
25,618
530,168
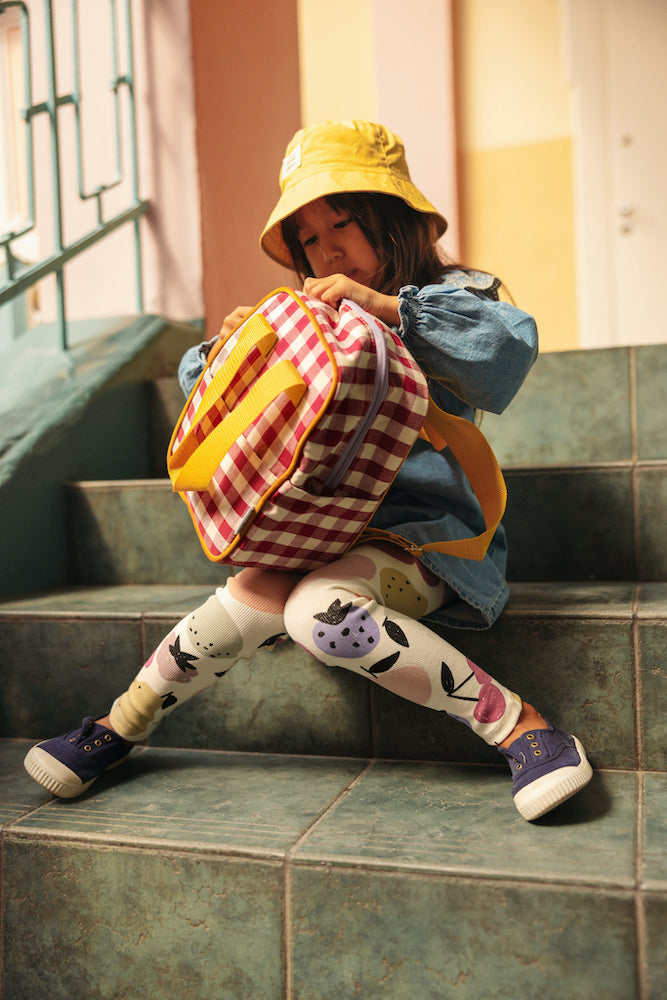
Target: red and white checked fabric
x,y
266,503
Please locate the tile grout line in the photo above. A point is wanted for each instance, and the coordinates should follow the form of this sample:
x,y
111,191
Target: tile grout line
x,y
328,810
640,921
289,854
610,465
637,686
634,443
640,916
287,927
632,388
3,883
373,720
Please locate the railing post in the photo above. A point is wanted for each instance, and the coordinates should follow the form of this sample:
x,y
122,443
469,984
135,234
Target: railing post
x,y
135,158
21,277
52,106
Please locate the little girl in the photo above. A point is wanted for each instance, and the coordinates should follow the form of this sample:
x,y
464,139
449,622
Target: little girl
x,y
351,223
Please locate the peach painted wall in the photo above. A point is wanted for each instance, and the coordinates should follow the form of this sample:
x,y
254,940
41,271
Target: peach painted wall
x,y
246,75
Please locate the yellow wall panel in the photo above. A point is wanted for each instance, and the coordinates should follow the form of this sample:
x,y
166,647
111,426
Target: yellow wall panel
x,y
337,60
511,73
517,203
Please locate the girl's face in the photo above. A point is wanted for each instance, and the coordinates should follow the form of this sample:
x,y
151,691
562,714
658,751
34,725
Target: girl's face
x,y
334,244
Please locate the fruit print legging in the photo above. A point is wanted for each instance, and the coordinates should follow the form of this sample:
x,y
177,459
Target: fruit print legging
x,y
360,612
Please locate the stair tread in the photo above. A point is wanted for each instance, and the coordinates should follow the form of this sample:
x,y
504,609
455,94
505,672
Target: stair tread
x,y
559,522
577,599
568,648
357,812
120,600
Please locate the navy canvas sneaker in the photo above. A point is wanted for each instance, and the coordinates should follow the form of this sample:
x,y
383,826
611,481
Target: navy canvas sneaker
x,y
68,765
548,766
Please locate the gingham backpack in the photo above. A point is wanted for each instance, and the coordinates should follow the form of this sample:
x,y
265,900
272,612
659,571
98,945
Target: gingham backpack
x,y
296,429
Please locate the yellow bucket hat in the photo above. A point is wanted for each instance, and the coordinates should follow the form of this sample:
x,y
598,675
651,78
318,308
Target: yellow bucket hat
x,y
338,158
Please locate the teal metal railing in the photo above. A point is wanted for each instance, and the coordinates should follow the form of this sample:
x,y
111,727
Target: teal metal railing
x,y
20,277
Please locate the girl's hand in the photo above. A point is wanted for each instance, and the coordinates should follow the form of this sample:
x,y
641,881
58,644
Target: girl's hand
x,y
234,319
338,286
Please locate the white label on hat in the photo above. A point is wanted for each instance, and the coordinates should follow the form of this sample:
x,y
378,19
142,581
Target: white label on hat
x,y
291,161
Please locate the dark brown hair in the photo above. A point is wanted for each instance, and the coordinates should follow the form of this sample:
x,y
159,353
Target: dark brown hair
x,y
402,238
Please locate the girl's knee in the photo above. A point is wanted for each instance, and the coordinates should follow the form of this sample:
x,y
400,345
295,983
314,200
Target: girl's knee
x,y
298,614
301,606
262,589
317,600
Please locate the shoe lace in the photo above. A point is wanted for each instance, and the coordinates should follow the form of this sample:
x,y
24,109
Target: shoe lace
x,y
86,729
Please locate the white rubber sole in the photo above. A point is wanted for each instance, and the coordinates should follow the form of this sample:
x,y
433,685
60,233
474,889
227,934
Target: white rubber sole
x,y
55,776
551,790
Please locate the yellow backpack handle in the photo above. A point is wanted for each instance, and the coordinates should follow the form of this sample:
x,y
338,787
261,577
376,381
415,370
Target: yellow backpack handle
x,y
256,333
193,469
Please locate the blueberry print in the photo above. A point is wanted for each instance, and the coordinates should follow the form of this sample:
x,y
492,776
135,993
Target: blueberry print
x,y
345,630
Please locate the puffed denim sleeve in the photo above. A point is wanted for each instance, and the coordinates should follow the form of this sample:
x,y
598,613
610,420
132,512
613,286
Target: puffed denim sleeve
x,y
191,366
478,347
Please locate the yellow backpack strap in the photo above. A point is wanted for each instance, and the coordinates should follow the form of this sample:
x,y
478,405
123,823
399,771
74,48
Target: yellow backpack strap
x,y
475,456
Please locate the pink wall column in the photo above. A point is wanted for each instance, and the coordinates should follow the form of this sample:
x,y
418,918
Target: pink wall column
x,y
416,96
247,105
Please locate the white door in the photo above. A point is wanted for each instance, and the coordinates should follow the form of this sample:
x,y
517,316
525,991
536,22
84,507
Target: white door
x,y
617,51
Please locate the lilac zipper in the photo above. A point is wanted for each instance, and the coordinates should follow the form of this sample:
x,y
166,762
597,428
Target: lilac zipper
x,y
379,394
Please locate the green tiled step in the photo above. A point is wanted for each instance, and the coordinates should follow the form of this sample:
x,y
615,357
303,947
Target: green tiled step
x,y
589,656
575,406
134,532
199,875
595,406
584,451
573,523
597,522
88,413
322,839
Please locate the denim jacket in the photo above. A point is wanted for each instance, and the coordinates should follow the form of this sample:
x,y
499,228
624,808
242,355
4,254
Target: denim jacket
x,y
475,350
